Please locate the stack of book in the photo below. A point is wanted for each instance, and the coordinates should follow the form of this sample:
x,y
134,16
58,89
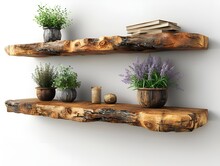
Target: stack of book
x,y
151,27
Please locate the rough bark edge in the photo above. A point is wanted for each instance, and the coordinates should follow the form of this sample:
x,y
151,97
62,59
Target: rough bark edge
x,y
112,44
165,119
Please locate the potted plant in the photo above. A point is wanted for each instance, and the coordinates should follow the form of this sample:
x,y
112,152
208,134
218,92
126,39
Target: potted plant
x,y
44,76
151,78
52,20
66,82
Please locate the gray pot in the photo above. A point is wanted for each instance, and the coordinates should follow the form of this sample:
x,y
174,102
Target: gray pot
x,y
68,95
51,34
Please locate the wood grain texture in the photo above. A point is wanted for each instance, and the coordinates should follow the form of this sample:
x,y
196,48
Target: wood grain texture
x,y
112,44
164,119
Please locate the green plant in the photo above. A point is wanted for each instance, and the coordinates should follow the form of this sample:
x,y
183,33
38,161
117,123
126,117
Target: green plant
x,y
66,78
151,73
52,17
44,75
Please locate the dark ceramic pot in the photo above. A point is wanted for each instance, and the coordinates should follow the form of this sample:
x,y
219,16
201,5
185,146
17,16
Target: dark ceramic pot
x,y
152,97
45,94
68,95
51,34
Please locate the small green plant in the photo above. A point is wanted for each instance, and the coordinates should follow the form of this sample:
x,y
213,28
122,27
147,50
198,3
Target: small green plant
x,y
44,75
52,17
66,78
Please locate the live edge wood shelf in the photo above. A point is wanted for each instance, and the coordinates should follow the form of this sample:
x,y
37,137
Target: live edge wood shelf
x,y
162,119
112,44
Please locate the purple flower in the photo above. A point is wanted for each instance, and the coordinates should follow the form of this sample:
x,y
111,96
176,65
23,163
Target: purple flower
x,y
150,72
127,77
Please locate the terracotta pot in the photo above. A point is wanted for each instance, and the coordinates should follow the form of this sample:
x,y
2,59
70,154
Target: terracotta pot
x,y
152,97
45,94
51,34
68,95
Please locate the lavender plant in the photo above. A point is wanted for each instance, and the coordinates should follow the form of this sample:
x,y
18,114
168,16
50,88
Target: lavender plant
x,y
151,73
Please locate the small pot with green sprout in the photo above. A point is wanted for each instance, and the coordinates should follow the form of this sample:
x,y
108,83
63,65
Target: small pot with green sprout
x,y
52,19
66,84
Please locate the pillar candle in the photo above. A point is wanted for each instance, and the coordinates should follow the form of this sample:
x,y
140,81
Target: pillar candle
x,y
96,94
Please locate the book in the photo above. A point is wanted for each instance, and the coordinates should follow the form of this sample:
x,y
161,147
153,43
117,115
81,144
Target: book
x,y
158,30
152,32
164,25
146,24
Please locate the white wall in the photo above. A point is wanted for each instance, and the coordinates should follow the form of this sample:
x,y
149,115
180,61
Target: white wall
x,y
31,140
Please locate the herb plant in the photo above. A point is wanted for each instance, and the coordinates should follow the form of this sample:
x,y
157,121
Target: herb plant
x,y
66,78
44,75
151,73
52,17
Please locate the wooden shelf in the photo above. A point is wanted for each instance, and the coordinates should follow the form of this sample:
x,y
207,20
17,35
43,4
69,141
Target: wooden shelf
x,y
112,44
162,119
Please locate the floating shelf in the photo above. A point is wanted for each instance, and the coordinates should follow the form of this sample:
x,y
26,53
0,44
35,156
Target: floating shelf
x,y
161,119
112,44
